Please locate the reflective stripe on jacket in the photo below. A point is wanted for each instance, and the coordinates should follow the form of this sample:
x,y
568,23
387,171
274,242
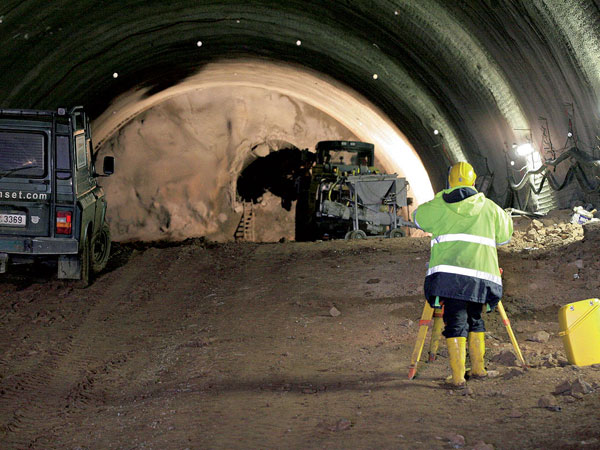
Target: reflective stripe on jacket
x,y
466,227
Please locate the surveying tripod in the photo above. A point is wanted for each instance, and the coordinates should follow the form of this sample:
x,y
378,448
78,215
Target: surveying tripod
x,y
436,316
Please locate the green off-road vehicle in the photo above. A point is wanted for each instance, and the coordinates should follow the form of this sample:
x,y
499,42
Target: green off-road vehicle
x,y
51,207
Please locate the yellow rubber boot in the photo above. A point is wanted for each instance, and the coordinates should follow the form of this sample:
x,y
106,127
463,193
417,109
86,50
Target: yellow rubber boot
x,y
457,351
476,353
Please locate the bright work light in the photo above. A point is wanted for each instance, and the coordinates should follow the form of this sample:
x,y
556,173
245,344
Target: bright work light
x,y
525,149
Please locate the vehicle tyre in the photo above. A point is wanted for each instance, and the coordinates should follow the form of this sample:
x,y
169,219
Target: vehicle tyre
x,y
355,234
396,233
85,260
101,249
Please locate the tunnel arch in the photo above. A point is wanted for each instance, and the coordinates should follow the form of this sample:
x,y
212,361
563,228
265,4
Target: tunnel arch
x,y
480,72
347,107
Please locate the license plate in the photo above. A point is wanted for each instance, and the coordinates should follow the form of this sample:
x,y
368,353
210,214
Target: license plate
x,y
13,220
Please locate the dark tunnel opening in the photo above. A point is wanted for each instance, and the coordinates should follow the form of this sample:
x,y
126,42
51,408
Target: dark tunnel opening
x,y
278,173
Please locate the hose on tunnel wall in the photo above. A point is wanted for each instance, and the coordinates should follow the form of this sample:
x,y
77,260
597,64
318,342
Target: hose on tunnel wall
x,y
577,171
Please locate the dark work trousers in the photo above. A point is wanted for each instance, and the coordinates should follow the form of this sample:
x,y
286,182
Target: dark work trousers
x,y
462,317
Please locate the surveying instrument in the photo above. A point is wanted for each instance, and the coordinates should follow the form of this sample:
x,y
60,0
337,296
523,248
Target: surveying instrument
x,y
436,315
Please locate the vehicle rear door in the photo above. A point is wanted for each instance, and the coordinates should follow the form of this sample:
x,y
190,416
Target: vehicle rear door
x,y
25,177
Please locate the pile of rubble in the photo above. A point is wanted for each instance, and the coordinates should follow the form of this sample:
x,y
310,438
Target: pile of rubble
x,y
546,232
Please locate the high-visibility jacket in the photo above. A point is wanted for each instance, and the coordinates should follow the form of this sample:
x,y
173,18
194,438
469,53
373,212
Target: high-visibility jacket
x,y
466,227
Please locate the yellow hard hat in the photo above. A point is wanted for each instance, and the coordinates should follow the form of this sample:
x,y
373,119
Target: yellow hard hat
x,y
461,174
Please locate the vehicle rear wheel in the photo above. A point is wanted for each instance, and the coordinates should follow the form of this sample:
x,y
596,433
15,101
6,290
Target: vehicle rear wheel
x,y
101,249
356,234
396,233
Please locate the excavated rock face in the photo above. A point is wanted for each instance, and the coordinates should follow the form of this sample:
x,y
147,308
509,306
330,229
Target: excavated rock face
x,y
179,163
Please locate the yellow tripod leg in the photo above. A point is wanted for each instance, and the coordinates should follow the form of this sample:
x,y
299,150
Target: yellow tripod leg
x,y
511,335
423,327
436,333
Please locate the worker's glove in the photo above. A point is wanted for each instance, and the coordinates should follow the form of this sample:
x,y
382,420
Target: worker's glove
x,y
491,305
435,302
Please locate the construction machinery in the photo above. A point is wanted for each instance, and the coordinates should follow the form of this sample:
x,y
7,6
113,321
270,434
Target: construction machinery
x,y
342,195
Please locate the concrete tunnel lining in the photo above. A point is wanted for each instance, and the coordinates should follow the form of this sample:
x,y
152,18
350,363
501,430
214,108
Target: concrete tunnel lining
x,y
481,73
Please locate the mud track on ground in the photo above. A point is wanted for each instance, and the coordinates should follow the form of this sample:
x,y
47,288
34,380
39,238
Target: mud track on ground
x,y
202,345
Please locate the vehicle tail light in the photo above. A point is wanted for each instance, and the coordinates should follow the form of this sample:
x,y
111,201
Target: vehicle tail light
x,y
64,222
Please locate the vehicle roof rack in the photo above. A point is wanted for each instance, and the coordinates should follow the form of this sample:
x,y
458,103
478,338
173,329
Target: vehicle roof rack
x,y
32,112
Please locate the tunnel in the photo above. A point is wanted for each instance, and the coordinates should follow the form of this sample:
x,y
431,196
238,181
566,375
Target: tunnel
x,y
188,94
219,316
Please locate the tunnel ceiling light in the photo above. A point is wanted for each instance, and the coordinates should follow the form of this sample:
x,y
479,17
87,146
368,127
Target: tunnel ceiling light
x,y
525,149
298,42
375,76
436,131
199,44
115,75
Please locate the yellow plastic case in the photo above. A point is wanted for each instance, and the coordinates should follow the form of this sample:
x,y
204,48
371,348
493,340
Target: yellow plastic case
x,y
580,331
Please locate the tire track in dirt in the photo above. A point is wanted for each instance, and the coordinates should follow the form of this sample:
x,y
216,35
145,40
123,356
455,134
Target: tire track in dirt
x,y
63,382
153,295
18,390
162,319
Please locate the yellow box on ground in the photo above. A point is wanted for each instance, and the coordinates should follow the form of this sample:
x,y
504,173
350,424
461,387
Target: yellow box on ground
x,y
580,331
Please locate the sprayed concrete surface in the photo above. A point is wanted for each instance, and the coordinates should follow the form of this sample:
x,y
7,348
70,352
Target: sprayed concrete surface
x,y
179,161
202,345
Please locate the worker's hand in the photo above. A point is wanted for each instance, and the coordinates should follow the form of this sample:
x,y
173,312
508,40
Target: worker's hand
x,y
490,306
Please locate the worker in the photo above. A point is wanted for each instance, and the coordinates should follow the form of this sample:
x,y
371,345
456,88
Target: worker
x,y
463,273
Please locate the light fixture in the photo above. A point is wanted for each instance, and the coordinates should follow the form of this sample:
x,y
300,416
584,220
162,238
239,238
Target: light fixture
x,y
436,131
298,42
512,163
199,44
525,149
375,76
115,75
569,134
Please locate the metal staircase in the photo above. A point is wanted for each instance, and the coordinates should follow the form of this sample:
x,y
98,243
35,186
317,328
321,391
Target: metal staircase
x,y
245,229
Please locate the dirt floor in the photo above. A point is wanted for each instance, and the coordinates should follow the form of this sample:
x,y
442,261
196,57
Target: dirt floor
x,y
202,345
